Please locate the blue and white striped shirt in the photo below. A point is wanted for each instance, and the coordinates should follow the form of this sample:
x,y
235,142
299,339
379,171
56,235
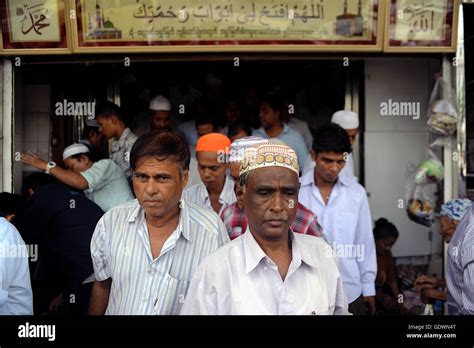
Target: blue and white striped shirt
x,y
141,285
198,194
460,268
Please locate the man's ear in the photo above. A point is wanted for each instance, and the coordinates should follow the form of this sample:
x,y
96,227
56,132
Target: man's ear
x,y
185,178
313,155
10,217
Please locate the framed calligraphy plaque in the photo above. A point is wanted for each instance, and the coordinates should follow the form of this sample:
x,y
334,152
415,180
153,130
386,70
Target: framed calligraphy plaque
x,y
227,25
34,26
421,26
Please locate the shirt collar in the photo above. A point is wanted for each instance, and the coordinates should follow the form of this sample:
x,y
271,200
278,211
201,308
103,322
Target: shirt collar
x,y
261,130
227,190
137,214
300,252
124,135
254,253
308,179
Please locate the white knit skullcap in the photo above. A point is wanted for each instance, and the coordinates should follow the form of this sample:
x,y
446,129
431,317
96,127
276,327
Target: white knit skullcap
x,y
74,149
346,119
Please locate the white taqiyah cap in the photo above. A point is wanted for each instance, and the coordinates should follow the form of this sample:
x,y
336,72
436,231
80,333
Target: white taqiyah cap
x,y
160,103
74,149
346,119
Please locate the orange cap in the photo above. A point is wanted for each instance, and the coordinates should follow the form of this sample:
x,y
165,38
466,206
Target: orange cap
x,y
213,142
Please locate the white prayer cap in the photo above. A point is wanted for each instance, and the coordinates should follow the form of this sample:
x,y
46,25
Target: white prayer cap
x,y
74,149
160,103
237,148
346,119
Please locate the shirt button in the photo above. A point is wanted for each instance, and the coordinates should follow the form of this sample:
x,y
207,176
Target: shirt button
x,y
265,268
291,298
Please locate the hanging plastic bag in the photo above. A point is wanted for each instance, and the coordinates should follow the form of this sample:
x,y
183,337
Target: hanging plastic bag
x,y
442,114
430,170
421,187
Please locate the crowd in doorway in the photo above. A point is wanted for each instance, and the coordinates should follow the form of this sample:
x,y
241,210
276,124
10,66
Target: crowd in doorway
x,y
243,208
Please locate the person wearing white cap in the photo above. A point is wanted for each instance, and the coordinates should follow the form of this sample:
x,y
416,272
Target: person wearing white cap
x,y
157,118
103,181
160,117
348,120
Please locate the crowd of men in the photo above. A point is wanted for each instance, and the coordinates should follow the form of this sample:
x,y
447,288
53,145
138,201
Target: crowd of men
x,y
198,218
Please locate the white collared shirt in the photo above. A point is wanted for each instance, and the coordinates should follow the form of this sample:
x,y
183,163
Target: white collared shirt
x,y
240,279
347,225
141,285
16,297
198,194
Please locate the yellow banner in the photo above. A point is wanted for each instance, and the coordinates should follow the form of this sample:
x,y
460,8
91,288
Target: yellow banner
x,y
336,21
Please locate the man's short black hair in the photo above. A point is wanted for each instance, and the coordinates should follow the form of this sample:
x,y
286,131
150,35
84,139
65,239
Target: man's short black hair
x,y
274,100
34,181
108,109
331,138
236,127
207,119
86,132
10,204
161,144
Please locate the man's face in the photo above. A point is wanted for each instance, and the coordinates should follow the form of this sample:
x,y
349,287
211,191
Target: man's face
x,y
270,199
329,165
211,170
76,165
232,112
352,134
158,185
160,119
204,129
384,245
241,134
268,117
106,126
96,138
448,227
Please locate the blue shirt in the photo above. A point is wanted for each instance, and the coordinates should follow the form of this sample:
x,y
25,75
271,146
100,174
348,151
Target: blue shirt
x,y
16,297
108,186
291,138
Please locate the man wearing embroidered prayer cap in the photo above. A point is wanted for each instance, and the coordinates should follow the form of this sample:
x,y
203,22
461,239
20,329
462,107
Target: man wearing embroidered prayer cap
x,y
234,215
269,269
216,189
103,181
457,227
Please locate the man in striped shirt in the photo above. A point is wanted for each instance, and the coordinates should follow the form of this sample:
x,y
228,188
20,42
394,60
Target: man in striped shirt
x,y
457,228
146,251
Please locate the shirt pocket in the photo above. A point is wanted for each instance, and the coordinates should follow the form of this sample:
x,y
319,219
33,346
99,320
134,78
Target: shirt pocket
x,y
345,228
177,290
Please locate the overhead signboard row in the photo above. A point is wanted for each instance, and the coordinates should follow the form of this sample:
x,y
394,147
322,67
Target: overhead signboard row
x,y
118,26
